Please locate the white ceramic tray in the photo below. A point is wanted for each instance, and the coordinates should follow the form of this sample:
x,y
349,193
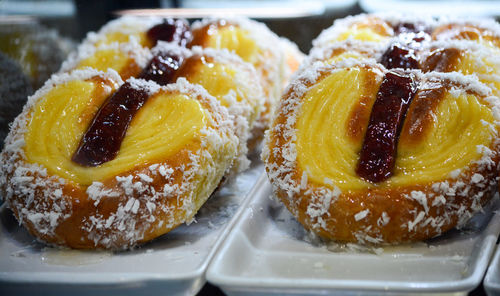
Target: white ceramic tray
x,y
173,264
269,252
492,278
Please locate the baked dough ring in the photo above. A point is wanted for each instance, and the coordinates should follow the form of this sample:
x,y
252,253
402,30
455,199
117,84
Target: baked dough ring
x,y
447,155
175,152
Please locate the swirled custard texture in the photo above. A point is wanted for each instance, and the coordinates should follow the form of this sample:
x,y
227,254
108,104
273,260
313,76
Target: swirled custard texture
x,y
252,42
235,39
226,81
115,59
369,29
165,124
328,151
124,34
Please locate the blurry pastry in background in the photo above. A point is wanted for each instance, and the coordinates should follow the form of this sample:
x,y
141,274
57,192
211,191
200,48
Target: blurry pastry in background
x,y
29,54
38,50
146,31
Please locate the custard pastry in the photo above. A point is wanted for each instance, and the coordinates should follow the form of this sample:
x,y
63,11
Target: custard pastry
x,y
390,131
443,45
225,76
272,57
79,172
132,136
146,31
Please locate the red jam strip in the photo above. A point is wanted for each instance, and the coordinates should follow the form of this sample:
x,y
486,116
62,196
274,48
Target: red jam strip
x,y
102,140
162,68
378,154
171,30
402,28
399,56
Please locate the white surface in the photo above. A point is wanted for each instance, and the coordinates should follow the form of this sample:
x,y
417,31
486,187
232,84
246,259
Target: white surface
x,y
268,252
490,8
492,278
173,264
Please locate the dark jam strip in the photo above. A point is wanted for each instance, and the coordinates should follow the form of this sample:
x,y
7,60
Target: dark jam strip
x,y
162,68
102,140
399,56
171,30
378,153
379,150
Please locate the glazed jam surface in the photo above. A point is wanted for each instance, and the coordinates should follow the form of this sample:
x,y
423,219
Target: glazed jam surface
x,y
162,68
378,153
102,140
171,30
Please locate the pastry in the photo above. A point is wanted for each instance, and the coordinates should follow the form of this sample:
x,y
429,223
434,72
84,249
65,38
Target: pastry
x,y
225,76
374,143
231,81
272,57
469,47
221,73
96,162
39,51
165,167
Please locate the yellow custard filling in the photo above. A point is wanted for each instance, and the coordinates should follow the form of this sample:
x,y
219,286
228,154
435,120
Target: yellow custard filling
x,y
485,69
165,124
115,59
123,36
237,40
222,80
346,55
362,34
330,157
368,29
323,149
460,125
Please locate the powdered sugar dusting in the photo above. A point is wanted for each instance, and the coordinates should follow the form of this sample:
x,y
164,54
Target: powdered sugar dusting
x,y
149,86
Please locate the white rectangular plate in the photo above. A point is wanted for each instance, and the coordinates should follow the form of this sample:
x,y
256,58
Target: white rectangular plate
x,y
173,264
269,252
492,278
